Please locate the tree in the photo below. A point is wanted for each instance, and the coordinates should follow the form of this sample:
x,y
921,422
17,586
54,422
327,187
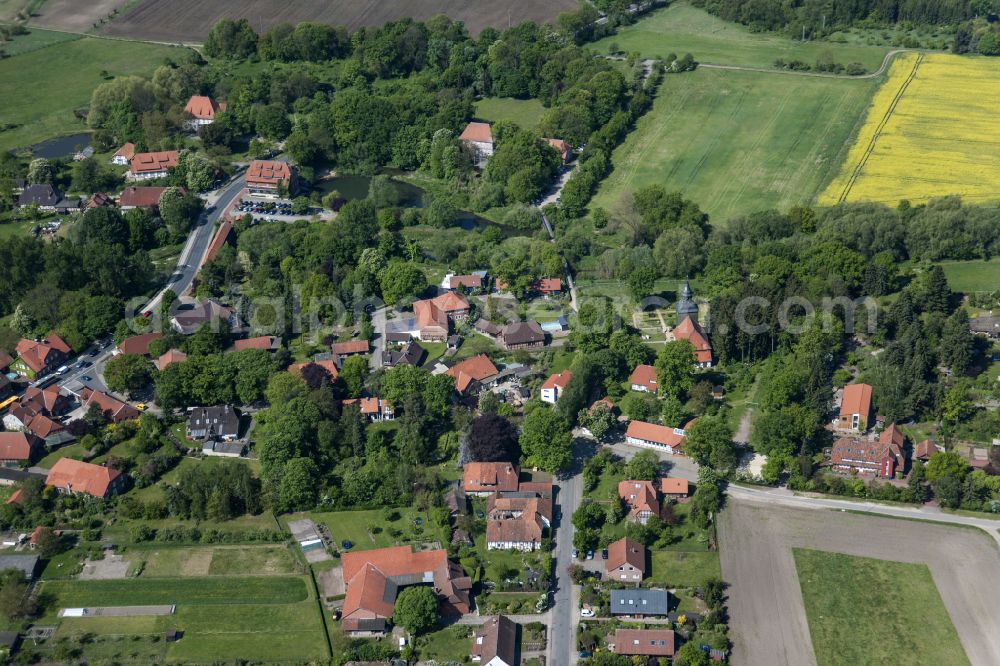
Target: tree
x,y
492,438
937,294
946,463
546,440
707,498
49,543
691,654
401,280
40,171
641,282
15,602
710,442
179,210
354,372
127,373
416,609
673,369
200,173
299,484
644,466
231,39
599,420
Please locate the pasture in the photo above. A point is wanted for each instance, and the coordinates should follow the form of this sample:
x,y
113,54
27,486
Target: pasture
x,y
681,28
862,610
737,142
525,112
929,132
42,88
188,21
170,561
36,39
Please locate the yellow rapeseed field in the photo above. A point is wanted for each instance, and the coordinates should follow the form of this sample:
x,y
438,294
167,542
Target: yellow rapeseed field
x,y
930,131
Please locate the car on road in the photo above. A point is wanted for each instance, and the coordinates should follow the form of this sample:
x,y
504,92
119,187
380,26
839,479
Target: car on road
x,y
63,370
346,545
590,554
86,378
147,314
83,364
576,553
141,406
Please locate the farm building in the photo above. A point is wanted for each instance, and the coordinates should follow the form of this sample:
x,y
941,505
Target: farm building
x,y
653,436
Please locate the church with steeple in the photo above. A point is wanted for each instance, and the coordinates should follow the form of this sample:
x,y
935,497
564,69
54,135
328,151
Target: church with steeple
x,y
689,329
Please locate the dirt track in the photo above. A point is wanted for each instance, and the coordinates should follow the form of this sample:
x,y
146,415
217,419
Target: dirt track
x,y
768,619
188,21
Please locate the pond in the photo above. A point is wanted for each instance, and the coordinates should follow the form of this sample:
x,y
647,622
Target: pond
x,y
64,146
353,187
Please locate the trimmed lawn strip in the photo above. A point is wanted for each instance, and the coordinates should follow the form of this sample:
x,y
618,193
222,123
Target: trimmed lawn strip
x,y
525,112
863,610
678,568
971,276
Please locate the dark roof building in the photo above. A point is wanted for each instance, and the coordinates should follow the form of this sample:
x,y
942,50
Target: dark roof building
x,y
410,354
26,564
188,321
686,307
46,197
218,422
495,643
522,335
640,602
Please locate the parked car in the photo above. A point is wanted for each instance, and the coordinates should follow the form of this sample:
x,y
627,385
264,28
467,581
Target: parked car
x,y
590,554
576,553
63,370
141,406
604,554
586,612
86,378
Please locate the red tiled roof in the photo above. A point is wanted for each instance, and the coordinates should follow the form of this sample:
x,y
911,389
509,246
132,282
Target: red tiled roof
x,y
350,347
468,281
640,495
46,400
626,551
81,477
528,528
17,445
670,485
691,331
98,199
37,355
142,197
327,364
203,108
560,145
170,356
154,162
115,409
138,344
652,642
478,132
268,172
42,426
219,239
267,342
644,375
127,151
496,638
472,369
489,476
558,381
892,435
925,449
451,302
857,400
651,432
369,406
865,456
547,285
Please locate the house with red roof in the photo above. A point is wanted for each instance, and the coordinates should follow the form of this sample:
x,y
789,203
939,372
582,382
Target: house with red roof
x,y
645,642
265,342
375,409
342,350
495,643
169,357
640,497
626,561
138,344
203,110
432,316
485,478
19,448
74,476
643,379
517,520
882,458
113,409
472,374
40,357
144,166
478,139
856,408
375,577
654,436
563,148
141,196
124,154
924,450
269,177
676,488
554,386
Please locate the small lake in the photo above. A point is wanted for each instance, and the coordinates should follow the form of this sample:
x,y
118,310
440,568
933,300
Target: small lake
x,y
353,187
64,146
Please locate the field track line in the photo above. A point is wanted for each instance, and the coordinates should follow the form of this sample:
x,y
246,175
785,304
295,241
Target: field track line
x,y
878,130
823,75
654,137
716,137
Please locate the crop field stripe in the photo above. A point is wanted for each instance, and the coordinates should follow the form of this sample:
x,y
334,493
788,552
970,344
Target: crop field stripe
x,y
878,131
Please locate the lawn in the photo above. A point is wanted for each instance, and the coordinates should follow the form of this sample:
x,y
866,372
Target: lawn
x,y
41,89
368,529
186,591
525,112
928,133
678,568
263,630
738,142
35,39
862,610
170,561
681,28
970,276
446,645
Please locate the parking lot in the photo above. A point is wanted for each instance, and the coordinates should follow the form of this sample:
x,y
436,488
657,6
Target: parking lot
x,y
266,210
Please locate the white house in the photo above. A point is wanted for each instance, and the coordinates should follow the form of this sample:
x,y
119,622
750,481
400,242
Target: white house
x,y
554,386
478,138
653,436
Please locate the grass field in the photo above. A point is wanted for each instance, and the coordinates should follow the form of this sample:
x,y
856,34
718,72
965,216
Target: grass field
x,y
738,142
524,112
862,610
681,28
187,591
36,38
42,88
684,568
969,276
166,561
370,529
929,132
265,630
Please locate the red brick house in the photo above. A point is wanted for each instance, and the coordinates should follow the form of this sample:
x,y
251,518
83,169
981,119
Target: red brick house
x,y
74,476
19,448
484,478
645,642
626,561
